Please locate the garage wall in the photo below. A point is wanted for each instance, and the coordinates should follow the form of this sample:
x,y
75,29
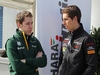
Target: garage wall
x,y
95,21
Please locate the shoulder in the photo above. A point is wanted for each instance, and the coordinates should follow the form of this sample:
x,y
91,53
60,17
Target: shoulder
x,y
34,38
87,38
11,41
84,35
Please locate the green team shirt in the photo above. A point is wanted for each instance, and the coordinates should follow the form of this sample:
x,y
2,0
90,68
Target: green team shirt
x,y
16,50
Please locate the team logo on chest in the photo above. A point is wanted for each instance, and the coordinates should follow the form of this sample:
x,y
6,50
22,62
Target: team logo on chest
x,y
19,46
76,45
18,43
64,45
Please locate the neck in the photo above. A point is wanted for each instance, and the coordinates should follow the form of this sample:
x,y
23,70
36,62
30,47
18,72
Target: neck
x,y
76,26
20,29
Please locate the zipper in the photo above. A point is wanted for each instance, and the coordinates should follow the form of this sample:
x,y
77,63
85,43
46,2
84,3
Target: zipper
x,y
25,40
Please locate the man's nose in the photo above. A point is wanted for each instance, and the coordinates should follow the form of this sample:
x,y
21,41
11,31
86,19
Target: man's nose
x,y
63,22
31,25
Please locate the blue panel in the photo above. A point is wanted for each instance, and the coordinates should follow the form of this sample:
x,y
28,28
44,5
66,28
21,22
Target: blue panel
x,y
1,20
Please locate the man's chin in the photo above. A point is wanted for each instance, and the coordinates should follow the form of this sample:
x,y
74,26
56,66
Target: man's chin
x,y
29,34
66,28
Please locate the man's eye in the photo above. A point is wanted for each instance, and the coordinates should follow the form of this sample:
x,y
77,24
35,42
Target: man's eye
x,y
28,23
65,19
32,23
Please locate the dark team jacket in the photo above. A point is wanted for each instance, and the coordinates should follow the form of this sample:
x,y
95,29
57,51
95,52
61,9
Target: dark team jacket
x,y
16,50
79,54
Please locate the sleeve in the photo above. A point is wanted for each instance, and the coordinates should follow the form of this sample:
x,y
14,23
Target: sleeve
x,y
38,62
91,56
62,68
14,59
60,58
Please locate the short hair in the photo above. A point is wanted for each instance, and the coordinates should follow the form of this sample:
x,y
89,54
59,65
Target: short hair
x,y
21,16
73,11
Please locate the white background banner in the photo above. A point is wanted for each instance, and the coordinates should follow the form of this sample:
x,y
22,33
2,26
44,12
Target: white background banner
x,y
48,28
48,31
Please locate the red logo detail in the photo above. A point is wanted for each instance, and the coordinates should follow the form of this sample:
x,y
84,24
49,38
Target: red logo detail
x,y
90,44
58,38
65,41
76,47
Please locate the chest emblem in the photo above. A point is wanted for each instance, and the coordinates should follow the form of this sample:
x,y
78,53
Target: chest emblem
x,y
64,45
33,46
76,45
18,43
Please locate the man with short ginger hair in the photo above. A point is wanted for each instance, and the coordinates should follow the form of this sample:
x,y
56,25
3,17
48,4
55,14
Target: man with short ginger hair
x,y
24,50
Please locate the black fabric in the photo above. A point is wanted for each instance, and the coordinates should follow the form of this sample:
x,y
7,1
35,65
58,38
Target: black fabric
x,y
76,59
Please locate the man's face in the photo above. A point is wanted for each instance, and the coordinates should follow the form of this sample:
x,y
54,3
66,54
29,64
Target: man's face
x,y
68,22
26,25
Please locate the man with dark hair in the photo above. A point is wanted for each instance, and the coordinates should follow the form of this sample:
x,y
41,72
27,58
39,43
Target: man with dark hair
x,y
24,50
79,52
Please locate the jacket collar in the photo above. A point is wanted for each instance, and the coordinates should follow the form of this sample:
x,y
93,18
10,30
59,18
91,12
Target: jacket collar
x,y
78,31
21,34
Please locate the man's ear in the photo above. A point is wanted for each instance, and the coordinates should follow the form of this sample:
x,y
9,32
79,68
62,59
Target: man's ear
x,y
18,25
75,18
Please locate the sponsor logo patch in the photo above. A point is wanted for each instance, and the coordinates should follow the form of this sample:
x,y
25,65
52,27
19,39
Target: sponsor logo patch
x,y
90,44
65,43
18,43
20,48
91,51
90,48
